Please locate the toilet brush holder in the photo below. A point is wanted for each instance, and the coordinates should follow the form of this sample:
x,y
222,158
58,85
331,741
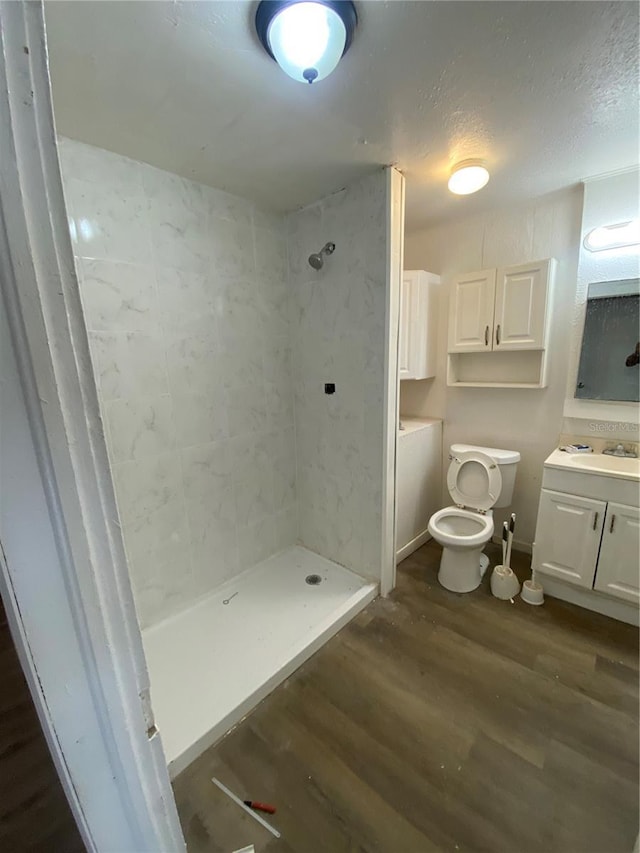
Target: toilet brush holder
x,y
532,593
504,583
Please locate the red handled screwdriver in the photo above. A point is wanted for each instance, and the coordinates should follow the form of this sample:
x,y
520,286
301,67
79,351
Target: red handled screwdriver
x,y
260,807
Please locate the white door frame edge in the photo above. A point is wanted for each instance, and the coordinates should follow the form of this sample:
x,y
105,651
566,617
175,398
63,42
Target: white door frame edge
x,y
99,724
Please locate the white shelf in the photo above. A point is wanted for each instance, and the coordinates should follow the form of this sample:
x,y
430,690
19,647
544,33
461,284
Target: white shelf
x,y
411,424
516,369
496,385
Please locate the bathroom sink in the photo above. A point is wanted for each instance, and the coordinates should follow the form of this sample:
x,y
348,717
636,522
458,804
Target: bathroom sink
x,y
605,464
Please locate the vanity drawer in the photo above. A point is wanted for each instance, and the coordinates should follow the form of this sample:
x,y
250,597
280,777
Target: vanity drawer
x,y
591,485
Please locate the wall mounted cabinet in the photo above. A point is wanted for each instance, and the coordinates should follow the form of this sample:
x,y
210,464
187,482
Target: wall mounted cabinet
x,y
499,311
418,325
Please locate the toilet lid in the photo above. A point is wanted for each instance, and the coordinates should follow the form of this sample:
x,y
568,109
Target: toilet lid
x,y
474,480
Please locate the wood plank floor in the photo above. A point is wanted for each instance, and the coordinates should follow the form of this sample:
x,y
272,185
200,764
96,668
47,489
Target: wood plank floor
x,y
35,816
438,721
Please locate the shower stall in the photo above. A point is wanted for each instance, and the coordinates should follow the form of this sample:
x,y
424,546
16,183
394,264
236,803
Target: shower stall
x,y
241,378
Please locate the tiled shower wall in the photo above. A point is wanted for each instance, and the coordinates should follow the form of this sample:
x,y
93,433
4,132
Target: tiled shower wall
x,y
338,335
186,301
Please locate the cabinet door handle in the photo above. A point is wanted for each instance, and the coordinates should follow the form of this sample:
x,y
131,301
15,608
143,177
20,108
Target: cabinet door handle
x,y
498,334
613,521
595,520
486,336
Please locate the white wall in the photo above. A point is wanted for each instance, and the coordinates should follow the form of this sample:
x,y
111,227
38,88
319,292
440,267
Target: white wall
x,y
525,420
607,200
338,322
185,297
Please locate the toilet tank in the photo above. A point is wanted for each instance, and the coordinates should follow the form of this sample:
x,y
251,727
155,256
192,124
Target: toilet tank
x,y
507,461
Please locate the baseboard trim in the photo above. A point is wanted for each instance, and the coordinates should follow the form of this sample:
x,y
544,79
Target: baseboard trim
x,y
412,546
623,611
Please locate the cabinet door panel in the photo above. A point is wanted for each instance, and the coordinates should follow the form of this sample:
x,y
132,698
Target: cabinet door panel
x,y
425,328
618,572
404,348
568,536
471,312
521,298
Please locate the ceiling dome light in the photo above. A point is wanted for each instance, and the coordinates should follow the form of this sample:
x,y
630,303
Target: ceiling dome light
x,y
307,38
468,177
613,236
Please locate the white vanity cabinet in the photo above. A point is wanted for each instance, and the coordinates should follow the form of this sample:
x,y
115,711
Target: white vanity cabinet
x,y
418,325
499,311
587,541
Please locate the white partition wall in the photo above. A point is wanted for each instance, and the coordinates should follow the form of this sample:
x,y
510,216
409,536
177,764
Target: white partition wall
x,y
340,317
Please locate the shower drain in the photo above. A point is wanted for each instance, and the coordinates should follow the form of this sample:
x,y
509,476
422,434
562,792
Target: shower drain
x,y
313,580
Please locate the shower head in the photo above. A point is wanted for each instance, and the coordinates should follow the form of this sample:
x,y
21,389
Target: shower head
x,y
317,260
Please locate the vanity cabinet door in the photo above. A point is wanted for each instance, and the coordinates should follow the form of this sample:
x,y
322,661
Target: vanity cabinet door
x,y
568,537
471,312
618,572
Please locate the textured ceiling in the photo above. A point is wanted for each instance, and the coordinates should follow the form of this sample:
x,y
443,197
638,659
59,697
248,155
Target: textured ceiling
x,y
546,92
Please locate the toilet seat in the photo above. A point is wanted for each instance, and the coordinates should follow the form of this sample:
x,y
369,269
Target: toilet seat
x,y
474,480
454,527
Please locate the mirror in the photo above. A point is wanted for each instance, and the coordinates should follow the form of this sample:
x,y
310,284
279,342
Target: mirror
x,y
610,356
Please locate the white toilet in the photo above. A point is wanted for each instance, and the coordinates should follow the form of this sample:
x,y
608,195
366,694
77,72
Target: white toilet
x,y
478,479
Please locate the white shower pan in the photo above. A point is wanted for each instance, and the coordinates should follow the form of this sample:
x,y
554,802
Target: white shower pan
x,y
212,663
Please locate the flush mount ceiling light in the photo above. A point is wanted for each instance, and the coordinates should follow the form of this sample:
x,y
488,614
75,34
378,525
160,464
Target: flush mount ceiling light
x,y
613,236
468,177
307,38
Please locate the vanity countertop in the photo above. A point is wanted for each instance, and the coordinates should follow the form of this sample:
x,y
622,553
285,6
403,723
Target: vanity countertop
x,y
598,464
412,424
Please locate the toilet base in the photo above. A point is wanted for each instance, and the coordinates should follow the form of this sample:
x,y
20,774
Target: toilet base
x,y
462,571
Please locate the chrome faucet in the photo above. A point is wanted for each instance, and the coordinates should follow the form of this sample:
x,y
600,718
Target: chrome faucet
x,y
620,450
